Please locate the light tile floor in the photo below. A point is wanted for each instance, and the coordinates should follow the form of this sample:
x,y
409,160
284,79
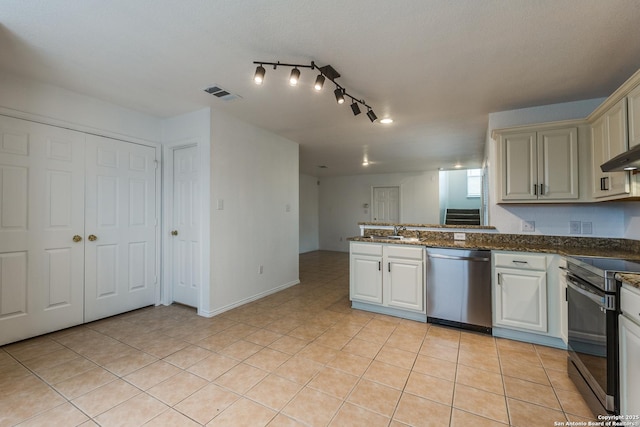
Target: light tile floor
x,y
298,357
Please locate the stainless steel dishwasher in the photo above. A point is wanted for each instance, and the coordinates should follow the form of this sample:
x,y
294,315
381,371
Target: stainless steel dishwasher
x,y
459,288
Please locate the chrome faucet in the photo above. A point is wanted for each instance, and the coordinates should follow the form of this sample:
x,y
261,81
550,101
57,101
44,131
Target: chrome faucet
x,y
397,229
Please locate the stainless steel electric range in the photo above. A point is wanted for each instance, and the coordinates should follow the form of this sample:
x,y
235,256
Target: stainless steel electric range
x,y
593,308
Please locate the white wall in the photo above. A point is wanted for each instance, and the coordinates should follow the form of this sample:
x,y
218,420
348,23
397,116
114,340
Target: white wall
x,y
342,199
632,220
608,219
57,106
254,175
309,220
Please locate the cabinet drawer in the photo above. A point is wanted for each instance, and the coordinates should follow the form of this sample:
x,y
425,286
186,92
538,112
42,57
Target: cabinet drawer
x,y
521,261
406,252
366,249
630,303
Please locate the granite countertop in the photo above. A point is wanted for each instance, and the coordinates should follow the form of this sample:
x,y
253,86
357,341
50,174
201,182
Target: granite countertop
x,y
562,245
629,279
517,246
415,225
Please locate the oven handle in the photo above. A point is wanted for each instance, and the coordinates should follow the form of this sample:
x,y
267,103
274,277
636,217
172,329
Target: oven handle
x,y
600,300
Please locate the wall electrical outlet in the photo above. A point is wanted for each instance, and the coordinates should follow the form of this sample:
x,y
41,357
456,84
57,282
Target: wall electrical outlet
x,y
587,227
575,227
528,226
459,236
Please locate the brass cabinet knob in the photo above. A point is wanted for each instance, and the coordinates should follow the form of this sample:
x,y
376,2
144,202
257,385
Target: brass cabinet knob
x,y
174,233
92,238
77,238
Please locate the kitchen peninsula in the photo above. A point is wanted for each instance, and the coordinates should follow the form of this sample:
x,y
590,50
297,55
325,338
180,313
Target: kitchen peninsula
x,y
389,267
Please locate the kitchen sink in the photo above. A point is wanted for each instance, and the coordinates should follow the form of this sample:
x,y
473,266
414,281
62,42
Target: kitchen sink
x,y
403,238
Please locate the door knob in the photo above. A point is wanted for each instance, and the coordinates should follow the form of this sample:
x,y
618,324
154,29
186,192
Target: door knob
x,y
77,238
174,232
92,238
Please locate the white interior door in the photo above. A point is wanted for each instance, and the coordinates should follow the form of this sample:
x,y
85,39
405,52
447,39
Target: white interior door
x,y
121,215
41,210
386,204
186,226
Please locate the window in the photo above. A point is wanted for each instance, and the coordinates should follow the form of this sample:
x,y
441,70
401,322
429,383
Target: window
x,y
474,182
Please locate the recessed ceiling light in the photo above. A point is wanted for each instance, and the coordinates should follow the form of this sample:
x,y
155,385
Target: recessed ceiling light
x,y
365,163
457,166
386,121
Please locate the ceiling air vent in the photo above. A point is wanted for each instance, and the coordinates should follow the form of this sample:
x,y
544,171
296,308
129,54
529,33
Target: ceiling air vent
x,y
221,93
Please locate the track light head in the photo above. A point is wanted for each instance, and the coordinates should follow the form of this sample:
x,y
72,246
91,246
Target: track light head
x,y
294,77
372,116
258,77
339,95
319,82
355,108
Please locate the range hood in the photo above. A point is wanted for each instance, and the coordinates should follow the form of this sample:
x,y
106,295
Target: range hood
x,y
629,160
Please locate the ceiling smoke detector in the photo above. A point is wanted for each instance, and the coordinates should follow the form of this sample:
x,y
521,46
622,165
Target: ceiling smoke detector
x,y
221,93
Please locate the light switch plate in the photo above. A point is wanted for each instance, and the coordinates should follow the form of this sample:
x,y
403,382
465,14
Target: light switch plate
x,y
587,227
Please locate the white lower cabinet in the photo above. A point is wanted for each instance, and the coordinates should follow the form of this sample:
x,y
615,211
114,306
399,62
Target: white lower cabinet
x,y
366,278
562,300
387,276
404,277
520,291
629,351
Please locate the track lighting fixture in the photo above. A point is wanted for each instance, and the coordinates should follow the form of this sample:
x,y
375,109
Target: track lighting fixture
x,y
355,108
258,77
294,77
326,72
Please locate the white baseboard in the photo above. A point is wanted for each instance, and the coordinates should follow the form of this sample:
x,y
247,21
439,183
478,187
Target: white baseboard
x,y
246,300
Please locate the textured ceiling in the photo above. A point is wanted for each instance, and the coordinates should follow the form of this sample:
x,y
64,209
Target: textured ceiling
x,y
437,67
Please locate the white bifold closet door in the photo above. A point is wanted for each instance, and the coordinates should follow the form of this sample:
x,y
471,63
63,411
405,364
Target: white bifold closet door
x,y
57,188
120,227
41,210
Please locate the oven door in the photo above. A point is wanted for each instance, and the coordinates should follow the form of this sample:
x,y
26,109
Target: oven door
x,y
592,339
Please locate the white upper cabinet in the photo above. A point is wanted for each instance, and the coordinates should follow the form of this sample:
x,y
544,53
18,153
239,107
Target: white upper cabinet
x,y
615,128
633,114
539,165
608,139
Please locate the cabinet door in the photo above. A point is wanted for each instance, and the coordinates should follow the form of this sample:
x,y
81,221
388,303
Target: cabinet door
x,y
41,210
520,299
519,166
618,182
599,155
629,367
633,114
558,164
564,306
366,279
404,284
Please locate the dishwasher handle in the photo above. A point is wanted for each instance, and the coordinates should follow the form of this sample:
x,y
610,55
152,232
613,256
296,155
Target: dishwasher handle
x,y
482,259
